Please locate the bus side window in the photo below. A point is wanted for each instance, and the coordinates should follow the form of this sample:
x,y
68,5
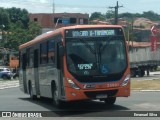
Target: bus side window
x,y
51,51
23,61
30,57
43,53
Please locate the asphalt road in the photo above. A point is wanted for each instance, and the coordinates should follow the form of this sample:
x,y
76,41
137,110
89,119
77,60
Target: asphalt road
x,y
12,99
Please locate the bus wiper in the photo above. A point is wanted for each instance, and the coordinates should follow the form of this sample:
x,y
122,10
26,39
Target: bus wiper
x,y
88,46
103,47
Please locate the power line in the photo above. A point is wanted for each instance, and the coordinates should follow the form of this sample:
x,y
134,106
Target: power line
x,y
128,9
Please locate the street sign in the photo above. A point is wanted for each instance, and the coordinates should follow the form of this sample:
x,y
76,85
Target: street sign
x,y
154,30
66,21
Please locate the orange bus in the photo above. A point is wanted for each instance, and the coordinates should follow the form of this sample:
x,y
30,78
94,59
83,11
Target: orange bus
x,y
76,63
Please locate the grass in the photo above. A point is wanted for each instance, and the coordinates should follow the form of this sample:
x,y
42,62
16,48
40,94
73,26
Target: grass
x,y
145,84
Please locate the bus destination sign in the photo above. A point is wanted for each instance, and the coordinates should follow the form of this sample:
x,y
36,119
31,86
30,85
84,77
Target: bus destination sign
x,y
92,33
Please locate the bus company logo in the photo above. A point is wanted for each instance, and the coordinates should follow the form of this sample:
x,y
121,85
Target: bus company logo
x,y
21,114
89,86
6,114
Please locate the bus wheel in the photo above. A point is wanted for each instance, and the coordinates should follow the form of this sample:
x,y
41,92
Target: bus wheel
x,y
110,101
32,96
5,77
141,73
55,98
133,73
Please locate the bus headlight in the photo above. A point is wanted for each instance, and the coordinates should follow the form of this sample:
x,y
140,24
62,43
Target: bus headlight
x,y
126,80
72,84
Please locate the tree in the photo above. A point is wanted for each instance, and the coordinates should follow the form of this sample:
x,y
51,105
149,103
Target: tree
x,y
110,14
16,14
151,15
128,15
18,29
17,35
97,15
4,19
34,29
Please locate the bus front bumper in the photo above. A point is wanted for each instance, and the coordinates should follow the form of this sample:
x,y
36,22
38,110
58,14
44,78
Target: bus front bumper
x,y
72,94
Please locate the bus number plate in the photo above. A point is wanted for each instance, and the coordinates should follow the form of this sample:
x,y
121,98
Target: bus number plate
x,y
101,96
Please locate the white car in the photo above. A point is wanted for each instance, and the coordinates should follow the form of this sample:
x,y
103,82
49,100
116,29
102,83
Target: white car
x,y
5,73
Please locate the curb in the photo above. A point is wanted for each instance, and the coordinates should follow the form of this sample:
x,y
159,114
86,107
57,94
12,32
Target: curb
x,y
145,90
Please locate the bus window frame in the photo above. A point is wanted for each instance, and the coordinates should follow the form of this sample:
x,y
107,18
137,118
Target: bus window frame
x,y
29,54
56,39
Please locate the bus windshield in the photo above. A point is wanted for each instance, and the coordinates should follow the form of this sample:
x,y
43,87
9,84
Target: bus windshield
x,y
96,56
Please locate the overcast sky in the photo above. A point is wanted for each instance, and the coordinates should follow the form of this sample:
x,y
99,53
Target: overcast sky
x,y
83,6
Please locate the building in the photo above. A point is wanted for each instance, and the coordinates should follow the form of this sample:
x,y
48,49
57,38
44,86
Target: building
x,y
50,21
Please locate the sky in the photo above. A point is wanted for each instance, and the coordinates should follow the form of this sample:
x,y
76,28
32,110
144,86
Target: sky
x,y
83,6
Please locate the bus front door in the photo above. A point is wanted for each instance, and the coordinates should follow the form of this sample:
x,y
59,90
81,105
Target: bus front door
x,y
60,53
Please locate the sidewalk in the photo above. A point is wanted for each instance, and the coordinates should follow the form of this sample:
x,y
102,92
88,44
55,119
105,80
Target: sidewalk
x,y
8,84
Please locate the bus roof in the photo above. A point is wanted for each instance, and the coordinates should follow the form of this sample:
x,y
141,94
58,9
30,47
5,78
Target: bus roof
x,y
57,31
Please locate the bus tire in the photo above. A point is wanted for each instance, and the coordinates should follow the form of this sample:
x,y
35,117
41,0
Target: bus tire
x,y
110,100
55,98
5,77
133,73
141,73
32,96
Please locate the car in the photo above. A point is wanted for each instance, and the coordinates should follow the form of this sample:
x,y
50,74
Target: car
x,y
5,73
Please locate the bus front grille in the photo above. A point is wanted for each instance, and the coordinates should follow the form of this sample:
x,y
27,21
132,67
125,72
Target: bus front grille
x,y
91,79
93,94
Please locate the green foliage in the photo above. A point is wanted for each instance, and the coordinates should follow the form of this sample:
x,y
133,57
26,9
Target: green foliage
x,y
129,16
97,15
34,29
4,19
17,35
110,14
16,14
17,28
151,15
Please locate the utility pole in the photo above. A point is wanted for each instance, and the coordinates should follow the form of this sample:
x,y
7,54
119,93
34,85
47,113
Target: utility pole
x,y
116,12
53,7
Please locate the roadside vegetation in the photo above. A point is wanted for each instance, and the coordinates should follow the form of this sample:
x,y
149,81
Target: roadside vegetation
x,y
16,28
145,84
